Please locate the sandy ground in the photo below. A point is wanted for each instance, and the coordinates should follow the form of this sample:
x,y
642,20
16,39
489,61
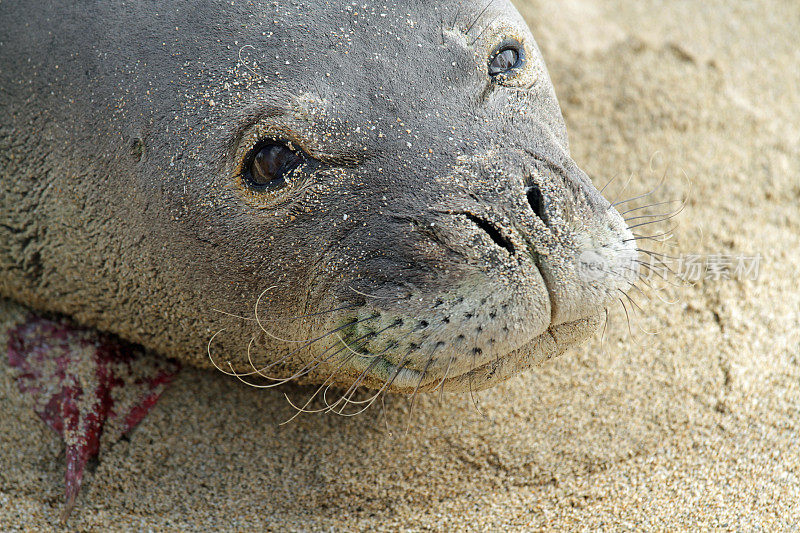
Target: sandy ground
x,y
695,425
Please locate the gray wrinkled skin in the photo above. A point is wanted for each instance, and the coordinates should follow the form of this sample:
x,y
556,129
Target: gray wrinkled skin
x,y
410,235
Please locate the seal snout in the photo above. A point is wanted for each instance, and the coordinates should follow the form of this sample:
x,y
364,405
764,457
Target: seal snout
x,y
523,258
582,246
536,201
492,231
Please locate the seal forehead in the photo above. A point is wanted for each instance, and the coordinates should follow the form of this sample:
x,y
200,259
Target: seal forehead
x,y
349,42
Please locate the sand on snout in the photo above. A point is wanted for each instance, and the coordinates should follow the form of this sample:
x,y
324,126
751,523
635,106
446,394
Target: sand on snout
x,y
691,423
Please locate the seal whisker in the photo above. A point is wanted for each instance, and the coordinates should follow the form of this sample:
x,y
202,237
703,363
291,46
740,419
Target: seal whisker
x,y
484,31
603,333
310,366
667,235
347,397
652,159
480,15
242,61
663,279
636,306
657,273
615,203
345,361
416,389
396,298
634,286
362,338
208,350
301,372
650,205
639,278
351,350
376,359
240,378
260,325
474,399
233,315
655,221
330,407
656,292
657,187
281,319
383,389
656,254
388,383
385,418
279,382
661,182
455,18
250,356
395,324
665,239
440,386
660,262
607,184
649,216
627,316
317,339
305,370
304,408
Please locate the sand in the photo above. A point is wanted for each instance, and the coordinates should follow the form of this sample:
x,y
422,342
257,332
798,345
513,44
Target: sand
x,y
690,421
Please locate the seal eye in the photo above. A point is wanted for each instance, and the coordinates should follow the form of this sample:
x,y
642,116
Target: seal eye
x,y
268,165
505,60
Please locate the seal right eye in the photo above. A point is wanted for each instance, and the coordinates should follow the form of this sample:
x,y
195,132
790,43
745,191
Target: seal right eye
x,y
268,165
505,60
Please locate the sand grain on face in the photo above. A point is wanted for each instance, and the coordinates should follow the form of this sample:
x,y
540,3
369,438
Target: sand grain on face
x,y
697,425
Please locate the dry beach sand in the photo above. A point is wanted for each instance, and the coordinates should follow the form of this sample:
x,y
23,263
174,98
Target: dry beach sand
x,y
695,425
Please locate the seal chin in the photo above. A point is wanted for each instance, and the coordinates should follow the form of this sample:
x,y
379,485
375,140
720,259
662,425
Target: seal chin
x,y
554,341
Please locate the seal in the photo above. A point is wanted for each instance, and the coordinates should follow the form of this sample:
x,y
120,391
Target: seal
x,y
361,195
370,195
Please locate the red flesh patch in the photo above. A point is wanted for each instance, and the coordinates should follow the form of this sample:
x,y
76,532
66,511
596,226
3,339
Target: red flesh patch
x,y
84,385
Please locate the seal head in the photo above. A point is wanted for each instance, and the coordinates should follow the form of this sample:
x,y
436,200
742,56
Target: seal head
x,y
360,195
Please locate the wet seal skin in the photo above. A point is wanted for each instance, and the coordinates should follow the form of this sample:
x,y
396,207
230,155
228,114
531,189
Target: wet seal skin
x,y
366,195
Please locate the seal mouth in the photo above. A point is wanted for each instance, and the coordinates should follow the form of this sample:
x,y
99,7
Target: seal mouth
x,y
552,342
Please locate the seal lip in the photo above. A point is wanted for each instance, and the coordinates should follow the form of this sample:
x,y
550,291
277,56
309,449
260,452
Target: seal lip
x,y
501,368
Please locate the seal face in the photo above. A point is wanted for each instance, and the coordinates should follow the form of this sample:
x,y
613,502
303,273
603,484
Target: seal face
x,y
370,195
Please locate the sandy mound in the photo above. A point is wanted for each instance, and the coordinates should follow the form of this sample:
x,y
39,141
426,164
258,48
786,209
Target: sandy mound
x,y
694,425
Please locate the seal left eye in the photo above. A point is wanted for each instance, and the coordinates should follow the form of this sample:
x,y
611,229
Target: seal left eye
x,y
505,60
268,165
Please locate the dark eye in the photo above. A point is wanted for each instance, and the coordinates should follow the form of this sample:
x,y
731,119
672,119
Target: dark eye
x,y
268,165
504,61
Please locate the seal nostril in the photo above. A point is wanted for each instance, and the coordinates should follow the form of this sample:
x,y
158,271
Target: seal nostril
x,y
536,201
493,232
